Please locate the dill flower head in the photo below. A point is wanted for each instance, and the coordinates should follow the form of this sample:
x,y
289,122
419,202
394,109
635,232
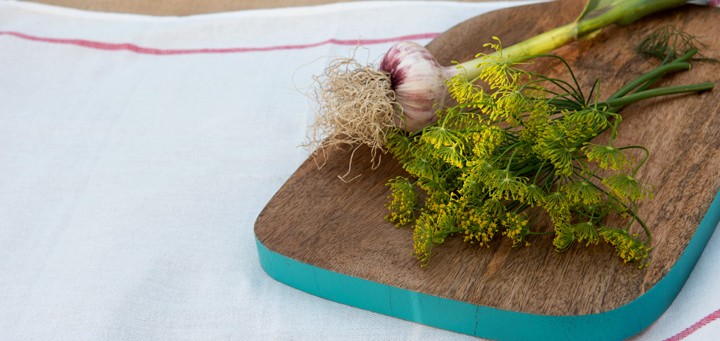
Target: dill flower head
x,y
586,231
627,187
582,193
628,247
607,157
423,235
403,201
486,141
516,227
478,227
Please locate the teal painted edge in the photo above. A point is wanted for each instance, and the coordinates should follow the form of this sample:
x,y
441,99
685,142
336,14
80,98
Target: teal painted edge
x,y
488,322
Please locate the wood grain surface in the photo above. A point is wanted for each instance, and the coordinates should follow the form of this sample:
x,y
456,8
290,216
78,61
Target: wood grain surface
x,y
317,219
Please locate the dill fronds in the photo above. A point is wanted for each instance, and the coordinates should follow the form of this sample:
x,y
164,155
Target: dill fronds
x,y
667,43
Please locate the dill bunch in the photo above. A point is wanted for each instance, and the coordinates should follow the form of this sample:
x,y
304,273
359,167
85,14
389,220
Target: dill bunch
x,y
517,157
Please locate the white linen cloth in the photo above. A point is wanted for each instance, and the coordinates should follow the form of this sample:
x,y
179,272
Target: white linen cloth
x,y
134,160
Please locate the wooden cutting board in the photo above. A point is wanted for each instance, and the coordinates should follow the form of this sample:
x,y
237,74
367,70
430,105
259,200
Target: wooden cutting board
x,y
328,237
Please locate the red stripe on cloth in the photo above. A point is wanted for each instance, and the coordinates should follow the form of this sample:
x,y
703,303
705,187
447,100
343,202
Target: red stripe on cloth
x,y
697,325
165,52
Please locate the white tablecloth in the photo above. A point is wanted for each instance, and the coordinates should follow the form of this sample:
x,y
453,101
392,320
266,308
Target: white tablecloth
x,y
136,153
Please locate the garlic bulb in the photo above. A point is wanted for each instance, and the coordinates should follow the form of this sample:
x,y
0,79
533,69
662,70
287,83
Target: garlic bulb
x,y
418,81
360,105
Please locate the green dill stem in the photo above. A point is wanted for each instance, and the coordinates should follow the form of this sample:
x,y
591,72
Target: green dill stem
x,y
645,81
671,90
642,162
650,77
446,233
549,181
622,13
636,218
577,92
540,233
507,169
538,172
687,56
513,146
684,58
632,211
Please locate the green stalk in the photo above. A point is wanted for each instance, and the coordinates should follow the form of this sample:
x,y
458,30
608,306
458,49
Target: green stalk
x,y
642,162
651,77
623,12
617,103
631,211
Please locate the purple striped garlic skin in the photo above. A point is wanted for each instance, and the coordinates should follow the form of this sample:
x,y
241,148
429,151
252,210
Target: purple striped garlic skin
x,y
418,81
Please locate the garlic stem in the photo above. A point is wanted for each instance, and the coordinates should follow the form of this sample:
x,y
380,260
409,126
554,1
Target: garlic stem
x,y
670,90
622,12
